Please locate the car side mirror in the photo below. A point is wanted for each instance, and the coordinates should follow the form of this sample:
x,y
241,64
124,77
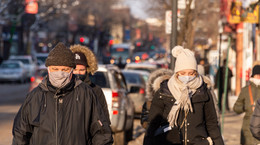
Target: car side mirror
x,y
134,89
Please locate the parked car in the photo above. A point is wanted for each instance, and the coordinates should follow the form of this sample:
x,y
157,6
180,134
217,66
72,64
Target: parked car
x,y
28,62
136,84
11,70
36,79
41,58
120,106
142,66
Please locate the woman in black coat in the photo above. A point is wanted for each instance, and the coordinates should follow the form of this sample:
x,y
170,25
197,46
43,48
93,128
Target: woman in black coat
x,y
182,110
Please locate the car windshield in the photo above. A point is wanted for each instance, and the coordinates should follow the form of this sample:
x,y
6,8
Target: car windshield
x,y
131,78
9,66
99,78
24,61
42,58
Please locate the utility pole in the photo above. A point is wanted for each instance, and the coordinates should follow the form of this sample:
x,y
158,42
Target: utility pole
x,y
173,31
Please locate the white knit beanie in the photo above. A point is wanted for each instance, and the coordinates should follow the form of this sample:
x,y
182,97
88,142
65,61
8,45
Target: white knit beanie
x,y
185,59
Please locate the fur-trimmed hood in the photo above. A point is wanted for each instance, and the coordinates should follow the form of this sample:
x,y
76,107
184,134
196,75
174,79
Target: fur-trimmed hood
x,y
160,75
90,56
155,80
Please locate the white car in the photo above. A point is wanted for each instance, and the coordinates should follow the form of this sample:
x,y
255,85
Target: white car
x,y
12,71
41,58
120,106
146,66
28,62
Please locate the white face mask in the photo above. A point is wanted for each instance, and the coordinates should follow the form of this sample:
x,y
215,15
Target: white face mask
x,y
255,81
59,79
186,79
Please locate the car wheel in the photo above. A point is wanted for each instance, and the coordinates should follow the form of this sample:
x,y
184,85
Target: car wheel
x,y
119,138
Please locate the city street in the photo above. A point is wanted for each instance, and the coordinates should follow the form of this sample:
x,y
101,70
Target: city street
x,y
12,95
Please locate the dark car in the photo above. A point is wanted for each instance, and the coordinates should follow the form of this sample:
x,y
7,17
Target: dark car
x,y
136,84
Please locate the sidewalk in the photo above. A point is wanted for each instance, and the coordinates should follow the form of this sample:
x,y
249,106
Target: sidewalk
x,y
232,124
232,127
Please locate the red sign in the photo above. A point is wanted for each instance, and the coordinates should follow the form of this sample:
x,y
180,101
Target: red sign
x,y
31,7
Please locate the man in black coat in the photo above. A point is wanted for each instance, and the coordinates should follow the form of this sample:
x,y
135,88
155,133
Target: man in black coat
x,y
62,109
86,64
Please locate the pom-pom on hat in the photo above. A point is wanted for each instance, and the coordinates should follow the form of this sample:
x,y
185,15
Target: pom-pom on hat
x,y
185,59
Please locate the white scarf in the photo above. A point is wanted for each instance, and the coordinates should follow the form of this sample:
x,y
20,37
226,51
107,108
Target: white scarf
x,y
255,81
182,94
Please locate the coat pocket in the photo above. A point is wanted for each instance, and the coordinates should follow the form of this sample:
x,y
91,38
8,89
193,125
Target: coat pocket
x,y
169,137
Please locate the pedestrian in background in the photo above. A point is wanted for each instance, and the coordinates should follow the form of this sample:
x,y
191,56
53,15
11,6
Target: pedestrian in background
x,y
154,77
246,103
62,109
220,83
182,109
86,64
210,87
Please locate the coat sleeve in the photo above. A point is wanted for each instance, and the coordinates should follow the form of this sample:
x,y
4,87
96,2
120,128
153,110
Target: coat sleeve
x,y
212,122
154,119
255,121
102,99
239,106
22,130
100,130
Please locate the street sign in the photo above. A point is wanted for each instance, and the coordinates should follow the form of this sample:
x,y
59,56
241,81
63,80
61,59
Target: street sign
x,y
31,7
238,14
168,22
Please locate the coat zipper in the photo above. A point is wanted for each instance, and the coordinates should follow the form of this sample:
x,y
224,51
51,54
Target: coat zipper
x,y
56,116
185,136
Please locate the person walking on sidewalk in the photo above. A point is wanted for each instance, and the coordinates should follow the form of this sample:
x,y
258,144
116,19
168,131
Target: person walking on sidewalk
x,y
61,110
182,109
86,64
219,83
246,103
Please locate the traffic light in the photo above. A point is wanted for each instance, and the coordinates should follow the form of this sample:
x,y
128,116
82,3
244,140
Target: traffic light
x,y
81,39
84,40
138,44
111,42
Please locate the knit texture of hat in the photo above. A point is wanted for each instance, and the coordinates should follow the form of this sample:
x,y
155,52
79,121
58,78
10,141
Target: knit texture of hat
x,y
256,70
185,59
60,55
92,63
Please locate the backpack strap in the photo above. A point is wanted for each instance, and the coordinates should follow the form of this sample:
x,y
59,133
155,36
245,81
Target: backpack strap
x,y
251,97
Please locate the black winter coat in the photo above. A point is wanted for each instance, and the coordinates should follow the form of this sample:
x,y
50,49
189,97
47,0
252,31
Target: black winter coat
x,y
70,116
199,125
100,96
